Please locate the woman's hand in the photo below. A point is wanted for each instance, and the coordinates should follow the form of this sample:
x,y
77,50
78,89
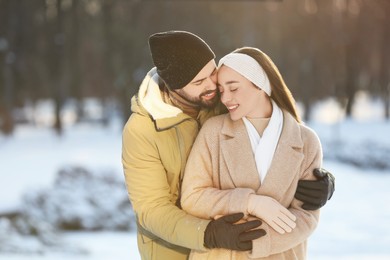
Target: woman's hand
x,y
274,214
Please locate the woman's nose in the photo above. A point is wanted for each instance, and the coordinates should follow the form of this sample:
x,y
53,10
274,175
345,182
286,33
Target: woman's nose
x,y
224,97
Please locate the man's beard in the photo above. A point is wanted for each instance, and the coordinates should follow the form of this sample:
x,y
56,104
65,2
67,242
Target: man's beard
x,y
199,101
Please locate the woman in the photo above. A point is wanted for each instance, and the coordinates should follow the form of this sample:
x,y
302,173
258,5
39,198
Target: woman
x,y
250,160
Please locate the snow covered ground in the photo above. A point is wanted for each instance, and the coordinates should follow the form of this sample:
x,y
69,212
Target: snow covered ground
x,y
354,224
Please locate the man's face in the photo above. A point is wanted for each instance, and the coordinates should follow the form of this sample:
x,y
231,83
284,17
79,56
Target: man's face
x,y
202,90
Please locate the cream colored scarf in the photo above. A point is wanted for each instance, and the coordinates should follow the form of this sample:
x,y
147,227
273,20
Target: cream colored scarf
x,y
264,147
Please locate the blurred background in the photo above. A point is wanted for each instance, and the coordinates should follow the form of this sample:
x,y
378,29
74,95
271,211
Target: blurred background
x,y
68,69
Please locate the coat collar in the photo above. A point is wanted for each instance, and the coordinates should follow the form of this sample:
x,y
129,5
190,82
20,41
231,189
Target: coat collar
x,y
239,158
289,134
149,102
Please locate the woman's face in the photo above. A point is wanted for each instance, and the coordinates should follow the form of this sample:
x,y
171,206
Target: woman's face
x,y
240,96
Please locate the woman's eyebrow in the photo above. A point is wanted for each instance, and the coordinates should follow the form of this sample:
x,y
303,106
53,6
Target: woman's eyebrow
x,y
231,82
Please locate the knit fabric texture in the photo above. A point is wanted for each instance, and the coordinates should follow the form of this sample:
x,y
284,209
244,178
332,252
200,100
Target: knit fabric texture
x,y
179,56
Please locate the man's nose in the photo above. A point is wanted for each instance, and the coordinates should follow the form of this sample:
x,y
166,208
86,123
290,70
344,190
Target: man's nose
x,y
214,78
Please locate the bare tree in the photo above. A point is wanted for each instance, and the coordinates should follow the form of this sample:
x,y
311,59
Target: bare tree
x,y
55,57
74,60
385,64
8,26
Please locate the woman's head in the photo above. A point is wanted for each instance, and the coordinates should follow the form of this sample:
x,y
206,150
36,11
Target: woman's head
x,y
241,96
247,84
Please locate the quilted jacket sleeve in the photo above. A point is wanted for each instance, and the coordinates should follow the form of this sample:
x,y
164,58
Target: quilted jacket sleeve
x,y
150,193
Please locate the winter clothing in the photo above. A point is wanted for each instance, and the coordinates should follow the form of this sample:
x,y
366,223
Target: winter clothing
x,y
221,174
249,68
316,194
179,56
264,148
219,232
156,142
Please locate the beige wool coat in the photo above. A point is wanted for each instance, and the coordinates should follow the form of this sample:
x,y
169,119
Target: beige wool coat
x,y
221,174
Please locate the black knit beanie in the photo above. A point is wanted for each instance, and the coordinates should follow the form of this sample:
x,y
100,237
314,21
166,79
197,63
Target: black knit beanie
x,y
179,56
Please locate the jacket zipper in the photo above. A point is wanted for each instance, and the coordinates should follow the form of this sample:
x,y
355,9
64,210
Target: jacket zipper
x,y
183,158
183,164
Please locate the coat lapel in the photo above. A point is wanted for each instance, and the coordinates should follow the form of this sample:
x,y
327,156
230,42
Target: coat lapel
x,y
287,160
236,152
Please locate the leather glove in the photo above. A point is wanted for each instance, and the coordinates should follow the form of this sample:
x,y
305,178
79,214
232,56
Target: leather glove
x,y
315,194
223,233
272,212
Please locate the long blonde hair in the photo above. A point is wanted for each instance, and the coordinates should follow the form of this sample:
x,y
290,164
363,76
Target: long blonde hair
x,y
280,92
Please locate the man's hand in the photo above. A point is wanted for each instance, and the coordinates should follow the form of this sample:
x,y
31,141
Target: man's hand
x,y
315,194
223,233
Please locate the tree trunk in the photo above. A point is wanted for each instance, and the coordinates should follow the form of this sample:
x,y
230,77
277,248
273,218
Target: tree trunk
x,y
58,68
351,61
74,61
350,88
7,121
385,68
8,20
387,103
108,54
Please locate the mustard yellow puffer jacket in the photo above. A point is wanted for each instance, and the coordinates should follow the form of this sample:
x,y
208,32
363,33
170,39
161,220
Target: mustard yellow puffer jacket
x,y
157,140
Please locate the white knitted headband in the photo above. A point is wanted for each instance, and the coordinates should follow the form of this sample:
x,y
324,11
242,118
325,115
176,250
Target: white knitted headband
x,y
249,68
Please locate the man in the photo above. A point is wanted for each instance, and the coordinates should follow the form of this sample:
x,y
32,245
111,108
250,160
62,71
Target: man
x,y
174,100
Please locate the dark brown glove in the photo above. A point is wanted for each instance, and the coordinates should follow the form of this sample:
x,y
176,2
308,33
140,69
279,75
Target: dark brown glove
x,y
223,233
315,194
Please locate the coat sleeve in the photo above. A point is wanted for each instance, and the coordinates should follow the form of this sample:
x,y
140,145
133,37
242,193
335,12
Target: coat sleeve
x,y
201,195
273,242
150,193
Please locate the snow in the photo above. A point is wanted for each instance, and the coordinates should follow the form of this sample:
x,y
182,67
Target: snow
x,y
32,156
354,224
96,245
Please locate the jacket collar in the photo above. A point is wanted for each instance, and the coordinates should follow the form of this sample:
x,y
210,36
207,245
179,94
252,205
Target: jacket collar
x,y
148,102
286,162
